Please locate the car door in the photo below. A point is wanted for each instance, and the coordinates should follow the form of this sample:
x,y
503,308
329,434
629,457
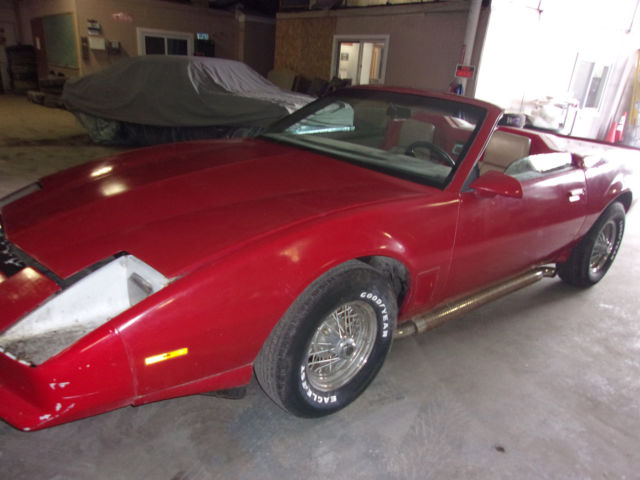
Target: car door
x,y
499,236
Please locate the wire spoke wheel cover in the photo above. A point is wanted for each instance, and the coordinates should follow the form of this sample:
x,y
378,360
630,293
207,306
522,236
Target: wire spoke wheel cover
x,y
341,346
603,246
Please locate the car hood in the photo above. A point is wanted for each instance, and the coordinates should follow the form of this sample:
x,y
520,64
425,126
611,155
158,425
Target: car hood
x,y
176,206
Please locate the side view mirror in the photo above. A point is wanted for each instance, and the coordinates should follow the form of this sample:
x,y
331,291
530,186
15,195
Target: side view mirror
x,y
495,183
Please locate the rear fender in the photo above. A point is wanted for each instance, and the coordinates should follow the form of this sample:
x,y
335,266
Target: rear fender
x,y
606,183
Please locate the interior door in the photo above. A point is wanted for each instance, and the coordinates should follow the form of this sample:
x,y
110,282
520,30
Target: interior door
x,y
37,34
360,60
7,39
500,236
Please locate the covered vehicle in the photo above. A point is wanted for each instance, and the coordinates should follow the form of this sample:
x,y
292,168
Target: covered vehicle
x,y
164,98
370,214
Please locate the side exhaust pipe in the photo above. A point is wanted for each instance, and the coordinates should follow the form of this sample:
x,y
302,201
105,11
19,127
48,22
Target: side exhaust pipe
x,y
433,319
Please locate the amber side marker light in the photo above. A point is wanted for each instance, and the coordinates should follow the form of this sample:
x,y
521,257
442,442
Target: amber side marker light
x,y
165,356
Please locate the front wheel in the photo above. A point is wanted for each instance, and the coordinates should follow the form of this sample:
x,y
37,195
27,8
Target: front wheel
x,y
331,342
592,257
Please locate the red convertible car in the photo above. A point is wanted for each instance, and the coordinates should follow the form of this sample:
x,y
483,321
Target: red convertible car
x,y
370,214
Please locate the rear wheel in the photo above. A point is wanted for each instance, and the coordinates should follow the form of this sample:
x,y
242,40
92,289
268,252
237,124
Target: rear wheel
x,y
592,257
331,342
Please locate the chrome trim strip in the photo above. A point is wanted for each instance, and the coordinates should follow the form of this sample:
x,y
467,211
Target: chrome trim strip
x,y
435,318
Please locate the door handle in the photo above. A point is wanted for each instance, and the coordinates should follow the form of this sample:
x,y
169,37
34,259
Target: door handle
x,y
575,195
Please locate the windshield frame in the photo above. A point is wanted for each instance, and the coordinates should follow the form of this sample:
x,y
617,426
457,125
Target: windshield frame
x,y
277,131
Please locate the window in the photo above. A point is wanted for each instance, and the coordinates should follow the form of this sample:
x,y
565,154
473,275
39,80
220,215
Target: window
x,y
414,137
363,60
588,83
161,42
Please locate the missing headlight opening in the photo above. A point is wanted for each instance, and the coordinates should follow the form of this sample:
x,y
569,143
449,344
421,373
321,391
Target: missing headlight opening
x,y
96,299
139,288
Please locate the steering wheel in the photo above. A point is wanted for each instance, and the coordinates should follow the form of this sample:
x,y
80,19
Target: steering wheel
x,y
431,146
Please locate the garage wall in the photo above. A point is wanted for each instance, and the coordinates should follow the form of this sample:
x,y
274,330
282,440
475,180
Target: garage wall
x,y
8,11
257,42
303,43
9,34
29,9
120,18
425,40
153,14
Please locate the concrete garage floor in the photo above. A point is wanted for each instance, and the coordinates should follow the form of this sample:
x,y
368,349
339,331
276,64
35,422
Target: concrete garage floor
x,y
36,141
542,384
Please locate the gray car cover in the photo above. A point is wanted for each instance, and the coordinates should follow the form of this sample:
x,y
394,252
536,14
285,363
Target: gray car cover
x,y
179,91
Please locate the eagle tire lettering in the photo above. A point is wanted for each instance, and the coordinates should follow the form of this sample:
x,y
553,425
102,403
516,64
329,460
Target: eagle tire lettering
x,y
312,395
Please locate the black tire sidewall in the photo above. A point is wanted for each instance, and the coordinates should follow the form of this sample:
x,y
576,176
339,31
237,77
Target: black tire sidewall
x,y
364,285
577,269
616,214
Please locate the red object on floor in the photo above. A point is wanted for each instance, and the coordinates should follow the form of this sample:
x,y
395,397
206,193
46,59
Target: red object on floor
x,y
611,134
620,127
614,135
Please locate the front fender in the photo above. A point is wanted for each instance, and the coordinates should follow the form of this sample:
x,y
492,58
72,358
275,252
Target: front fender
x,y
219,315
91,377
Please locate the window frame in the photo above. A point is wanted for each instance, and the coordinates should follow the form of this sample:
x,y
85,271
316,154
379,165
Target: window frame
x,y
595,67
337,39
143,32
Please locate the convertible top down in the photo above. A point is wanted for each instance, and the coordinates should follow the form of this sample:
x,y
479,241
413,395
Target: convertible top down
x,y
299,255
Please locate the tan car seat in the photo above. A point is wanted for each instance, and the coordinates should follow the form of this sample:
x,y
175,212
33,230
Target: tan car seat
x,y
503,149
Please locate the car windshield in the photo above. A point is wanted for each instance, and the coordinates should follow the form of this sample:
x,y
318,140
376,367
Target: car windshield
x,y
414,137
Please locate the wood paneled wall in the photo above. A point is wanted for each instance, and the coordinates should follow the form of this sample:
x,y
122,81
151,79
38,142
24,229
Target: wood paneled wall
x,y
304,45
